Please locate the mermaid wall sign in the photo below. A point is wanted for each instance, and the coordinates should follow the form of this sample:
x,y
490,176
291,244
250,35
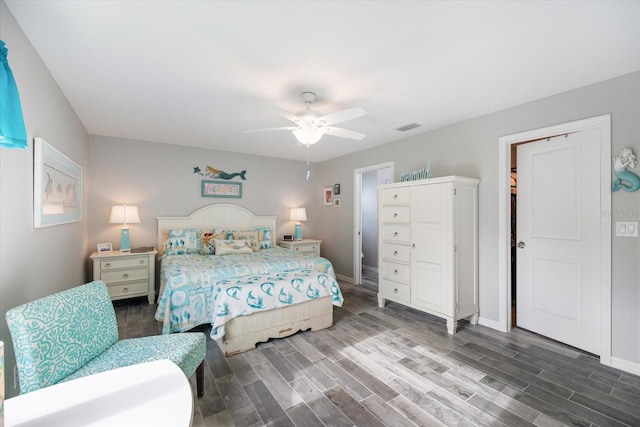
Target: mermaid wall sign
x,y
214,173
220,188
626,180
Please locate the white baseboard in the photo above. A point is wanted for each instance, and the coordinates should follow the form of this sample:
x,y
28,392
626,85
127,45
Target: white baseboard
x,y
625,365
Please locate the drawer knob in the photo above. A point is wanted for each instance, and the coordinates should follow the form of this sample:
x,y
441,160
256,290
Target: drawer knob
x,y
141,261
107,265
395,271
395,253
125,275
125,289
395,234
395,214
395,291
395,196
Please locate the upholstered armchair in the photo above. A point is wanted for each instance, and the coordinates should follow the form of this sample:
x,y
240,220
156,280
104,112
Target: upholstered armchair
x,y
74,333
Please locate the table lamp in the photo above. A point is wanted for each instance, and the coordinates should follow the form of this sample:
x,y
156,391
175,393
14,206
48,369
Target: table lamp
x,y
124,214
297,215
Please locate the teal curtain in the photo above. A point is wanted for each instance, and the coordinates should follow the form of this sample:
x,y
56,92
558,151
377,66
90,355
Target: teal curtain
x,y
12,131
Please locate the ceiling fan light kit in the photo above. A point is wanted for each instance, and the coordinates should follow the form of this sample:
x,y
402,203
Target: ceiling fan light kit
x,y
308,135
311,124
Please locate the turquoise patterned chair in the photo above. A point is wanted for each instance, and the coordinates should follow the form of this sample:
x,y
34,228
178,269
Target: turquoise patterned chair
x,y
74,333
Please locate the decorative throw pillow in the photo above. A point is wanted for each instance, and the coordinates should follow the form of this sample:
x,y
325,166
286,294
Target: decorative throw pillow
x,y
225,247
250,236
264,237
208,244
182,241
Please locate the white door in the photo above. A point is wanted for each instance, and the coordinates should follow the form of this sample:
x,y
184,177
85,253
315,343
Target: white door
x,y
558,238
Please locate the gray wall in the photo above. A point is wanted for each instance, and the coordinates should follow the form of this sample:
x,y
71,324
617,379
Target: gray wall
x,y
470,148
159,179
36,262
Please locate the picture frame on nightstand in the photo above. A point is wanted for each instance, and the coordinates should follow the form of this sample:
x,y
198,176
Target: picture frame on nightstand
x,y
104,248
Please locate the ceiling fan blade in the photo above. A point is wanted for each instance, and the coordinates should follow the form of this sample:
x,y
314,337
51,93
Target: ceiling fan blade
x,y
283,113
344,133
342,116
281,128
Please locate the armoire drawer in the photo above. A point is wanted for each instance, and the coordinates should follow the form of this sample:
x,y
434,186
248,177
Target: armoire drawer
x,y
396,214
395,271
395,291
399,253
396,233
396,196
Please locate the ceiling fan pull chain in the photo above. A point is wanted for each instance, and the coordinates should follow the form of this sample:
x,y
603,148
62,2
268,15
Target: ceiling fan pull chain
x,y
308,171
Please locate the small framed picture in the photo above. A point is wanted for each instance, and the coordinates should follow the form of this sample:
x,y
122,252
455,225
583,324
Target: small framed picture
x,y
104,247
337,203
336,189
327,196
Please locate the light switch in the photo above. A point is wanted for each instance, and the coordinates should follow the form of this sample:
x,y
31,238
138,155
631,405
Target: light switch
x,y
627,229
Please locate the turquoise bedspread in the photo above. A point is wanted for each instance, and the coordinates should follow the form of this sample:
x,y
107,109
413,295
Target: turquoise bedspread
x,y
187,281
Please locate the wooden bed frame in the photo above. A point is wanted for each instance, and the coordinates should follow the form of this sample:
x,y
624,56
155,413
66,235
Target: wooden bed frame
x,y
242,333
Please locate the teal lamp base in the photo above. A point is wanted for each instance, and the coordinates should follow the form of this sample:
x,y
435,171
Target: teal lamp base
x,y
297,234
125,244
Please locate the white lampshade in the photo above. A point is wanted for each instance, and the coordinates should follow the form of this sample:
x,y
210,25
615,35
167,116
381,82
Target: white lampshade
x,y
308,135
124,214
298,214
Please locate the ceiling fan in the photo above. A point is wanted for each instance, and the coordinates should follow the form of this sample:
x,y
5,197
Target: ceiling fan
x,y
311,124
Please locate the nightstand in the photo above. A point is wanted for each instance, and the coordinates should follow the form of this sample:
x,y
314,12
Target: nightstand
x,y
126,274
307,246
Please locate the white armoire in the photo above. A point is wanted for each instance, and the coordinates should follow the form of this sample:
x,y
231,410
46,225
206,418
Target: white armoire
x,y
428,249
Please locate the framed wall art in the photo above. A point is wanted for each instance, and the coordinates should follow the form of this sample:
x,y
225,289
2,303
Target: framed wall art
x,y
327,196
57,187
221,189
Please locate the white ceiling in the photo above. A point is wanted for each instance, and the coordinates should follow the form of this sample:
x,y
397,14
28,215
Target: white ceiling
x,y
196,72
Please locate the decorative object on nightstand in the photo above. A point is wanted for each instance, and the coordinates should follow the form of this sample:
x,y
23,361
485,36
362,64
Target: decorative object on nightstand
x,y
297,215
126,274
124,214
307,246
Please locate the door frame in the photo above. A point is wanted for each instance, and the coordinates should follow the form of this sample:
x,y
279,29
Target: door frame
x,y
504,224
357,216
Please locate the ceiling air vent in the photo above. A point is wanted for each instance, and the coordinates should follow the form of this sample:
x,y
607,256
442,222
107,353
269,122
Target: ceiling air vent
x,y
407,127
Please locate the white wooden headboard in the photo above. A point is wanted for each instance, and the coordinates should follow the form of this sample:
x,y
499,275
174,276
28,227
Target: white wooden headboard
x,y
220,216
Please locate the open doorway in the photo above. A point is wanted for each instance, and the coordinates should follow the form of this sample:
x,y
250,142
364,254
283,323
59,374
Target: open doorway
x,y
365,259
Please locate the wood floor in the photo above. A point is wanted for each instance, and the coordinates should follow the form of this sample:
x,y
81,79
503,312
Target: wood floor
x,y
398,367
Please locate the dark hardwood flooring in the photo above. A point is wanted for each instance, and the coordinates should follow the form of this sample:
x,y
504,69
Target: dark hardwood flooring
x,y
398,367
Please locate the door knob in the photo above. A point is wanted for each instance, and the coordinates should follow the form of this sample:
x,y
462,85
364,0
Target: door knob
x,y
522,245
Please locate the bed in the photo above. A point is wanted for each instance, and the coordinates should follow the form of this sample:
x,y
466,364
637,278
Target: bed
x,y
247,298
